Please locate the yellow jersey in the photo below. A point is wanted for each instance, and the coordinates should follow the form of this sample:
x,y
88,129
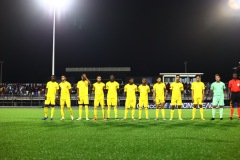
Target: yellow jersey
x,y
198,88
83,88
159,89
176,88
52,88
98,90
112,88
130,91
143,90
65,87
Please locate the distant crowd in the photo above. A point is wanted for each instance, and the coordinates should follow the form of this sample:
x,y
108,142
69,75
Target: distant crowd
x,y
37,89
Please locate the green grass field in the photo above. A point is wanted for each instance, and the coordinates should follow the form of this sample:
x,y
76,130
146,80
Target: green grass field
x,y
23,135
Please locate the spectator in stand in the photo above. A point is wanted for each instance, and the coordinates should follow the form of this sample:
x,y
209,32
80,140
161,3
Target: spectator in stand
x,y
1,89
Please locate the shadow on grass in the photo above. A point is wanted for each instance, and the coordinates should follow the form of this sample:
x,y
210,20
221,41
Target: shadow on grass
x,y
128,124
201,139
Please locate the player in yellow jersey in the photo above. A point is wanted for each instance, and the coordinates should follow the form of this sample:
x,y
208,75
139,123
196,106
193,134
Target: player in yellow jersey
x,y
98,88
143,90
112,96
130,90
159,97
65,92
82,94
50,97
198,89
176,89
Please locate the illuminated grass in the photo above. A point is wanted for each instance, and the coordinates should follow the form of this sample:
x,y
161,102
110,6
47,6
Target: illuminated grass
x,y
23,135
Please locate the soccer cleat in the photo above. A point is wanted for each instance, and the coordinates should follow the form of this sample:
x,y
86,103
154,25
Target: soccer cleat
x,y
156,119
147,118
94,119
170,119
231,118
62,119
87,119
108,119
72,118
202,119
212,118
133,119
116,119
124,119
51,119
164,119
104,119
180,119
192,119
221,118
79,119
139,118
45,118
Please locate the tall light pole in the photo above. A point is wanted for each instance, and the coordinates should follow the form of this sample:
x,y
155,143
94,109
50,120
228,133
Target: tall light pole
x,y
1,79
185,63
54,5
53,49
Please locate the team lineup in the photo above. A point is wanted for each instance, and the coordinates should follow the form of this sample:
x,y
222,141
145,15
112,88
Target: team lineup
x,y
63,90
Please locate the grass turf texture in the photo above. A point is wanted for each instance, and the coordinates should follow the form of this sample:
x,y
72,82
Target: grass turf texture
x,y
23,135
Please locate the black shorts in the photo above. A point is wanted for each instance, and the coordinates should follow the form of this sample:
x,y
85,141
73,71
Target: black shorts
x,y
235,97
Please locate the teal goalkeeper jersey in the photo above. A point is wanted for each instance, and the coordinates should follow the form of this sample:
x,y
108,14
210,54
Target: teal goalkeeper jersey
x,y
217,88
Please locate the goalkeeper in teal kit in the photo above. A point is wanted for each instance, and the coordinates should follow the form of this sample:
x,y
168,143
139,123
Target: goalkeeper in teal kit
x,y
217,89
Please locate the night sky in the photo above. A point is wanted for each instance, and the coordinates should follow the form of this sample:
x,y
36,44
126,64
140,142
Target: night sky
x,y
150,36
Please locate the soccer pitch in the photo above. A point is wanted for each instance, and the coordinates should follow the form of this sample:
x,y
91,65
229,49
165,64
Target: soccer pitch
x,y
24,135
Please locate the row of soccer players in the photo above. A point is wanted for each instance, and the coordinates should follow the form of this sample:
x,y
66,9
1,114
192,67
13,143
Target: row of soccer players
x,y
130,89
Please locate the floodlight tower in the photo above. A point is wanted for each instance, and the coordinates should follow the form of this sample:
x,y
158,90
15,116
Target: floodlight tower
x,y
54,5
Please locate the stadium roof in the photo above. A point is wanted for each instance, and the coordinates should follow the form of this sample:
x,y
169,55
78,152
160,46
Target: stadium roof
x,y
181,74
99,69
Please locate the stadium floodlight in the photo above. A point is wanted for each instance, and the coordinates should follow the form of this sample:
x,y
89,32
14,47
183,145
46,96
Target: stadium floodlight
x,y
234,4
55,5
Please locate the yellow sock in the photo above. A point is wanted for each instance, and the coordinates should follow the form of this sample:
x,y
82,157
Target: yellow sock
x,y
201,112
193,113
146,112
126,113
95,110
70,110
46,112
86,111
52,112
115,111
163,113
157,112
140,113
109,111
171,114
103,112
80,111
62,111
179,113
133,111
